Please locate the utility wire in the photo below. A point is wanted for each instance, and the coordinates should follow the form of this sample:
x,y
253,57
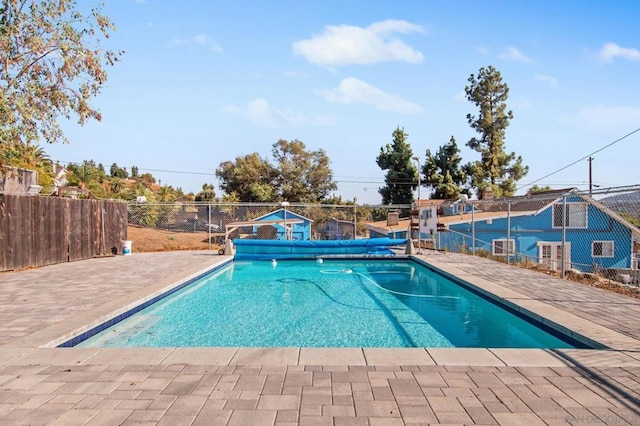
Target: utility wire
x,y
406,181
581,159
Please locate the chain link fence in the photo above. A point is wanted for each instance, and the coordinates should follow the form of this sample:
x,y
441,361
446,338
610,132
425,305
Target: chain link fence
x,y
290,221
564,232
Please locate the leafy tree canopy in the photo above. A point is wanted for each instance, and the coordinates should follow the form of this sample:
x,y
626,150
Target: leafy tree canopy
x,y
119,172
302,176
208,193
51,65
250,178
535,189
296,175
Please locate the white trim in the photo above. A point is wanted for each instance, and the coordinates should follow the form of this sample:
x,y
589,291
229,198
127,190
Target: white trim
x,y
607,249
568,206
555,259
510,248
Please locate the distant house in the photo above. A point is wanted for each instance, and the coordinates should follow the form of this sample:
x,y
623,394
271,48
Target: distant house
x,y
279,224
533,227
394,228
336,229
427,216
18,181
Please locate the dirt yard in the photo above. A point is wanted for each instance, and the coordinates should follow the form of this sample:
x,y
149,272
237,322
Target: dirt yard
x,y
149,240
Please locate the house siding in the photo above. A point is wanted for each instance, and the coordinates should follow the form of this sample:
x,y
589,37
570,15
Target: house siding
x,y
299,231
529,230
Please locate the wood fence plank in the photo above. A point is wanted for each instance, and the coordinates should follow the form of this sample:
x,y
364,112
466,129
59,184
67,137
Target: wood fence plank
x,y
38,231
4,235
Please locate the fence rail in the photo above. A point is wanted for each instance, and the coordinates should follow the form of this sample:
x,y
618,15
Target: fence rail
x,y
572,231
293,221
588,232
38,231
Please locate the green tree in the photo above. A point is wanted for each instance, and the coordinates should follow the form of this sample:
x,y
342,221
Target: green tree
x,y
401,177
535,189
147,178
118,172
116,186
250,178
208,193
443,173
85,174
166,194
90,176
29,156
296,175
496,169
134,172
303,176
51,65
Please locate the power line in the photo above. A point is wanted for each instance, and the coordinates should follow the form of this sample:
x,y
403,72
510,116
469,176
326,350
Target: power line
x,y
177,171
145,169
581,159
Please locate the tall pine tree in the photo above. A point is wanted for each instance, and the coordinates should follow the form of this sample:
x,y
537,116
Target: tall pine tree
x,y
496,169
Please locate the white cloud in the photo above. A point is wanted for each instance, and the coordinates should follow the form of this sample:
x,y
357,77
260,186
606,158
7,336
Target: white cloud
x,y
345,44
609,118
551,80
261,113
513,54
201,40
351,90
482,50
610,51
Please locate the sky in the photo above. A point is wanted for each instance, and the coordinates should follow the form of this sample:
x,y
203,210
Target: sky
x,y
202,82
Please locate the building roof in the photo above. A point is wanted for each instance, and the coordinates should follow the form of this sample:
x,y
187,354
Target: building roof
x,y
528,205
381,226
289,213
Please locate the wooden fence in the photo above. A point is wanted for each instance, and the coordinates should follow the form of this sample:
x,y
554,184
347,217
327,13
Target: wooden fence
x,y
37,231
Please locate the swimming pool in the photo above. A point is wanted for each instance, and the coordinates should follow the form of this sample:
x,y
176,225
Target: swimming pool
x,y
336,303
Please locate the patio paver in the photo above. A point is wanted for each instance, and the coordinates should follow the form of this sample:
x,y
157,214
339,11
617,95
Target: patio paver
x,y
42,384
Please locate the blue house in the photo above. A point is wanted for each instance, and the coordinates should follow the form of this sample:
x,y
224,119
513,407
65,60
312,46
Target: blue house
x,y
536,228
282,224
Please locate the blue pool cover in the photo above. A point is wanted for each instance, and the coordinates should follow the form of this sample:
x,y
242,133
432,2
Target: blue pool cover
x,y
248,249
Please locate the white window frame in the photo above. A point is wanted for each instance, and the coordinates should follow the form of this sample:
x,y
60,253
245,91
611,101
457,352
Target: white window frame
x,y
511,248
554,261
604,244
426,215
572,209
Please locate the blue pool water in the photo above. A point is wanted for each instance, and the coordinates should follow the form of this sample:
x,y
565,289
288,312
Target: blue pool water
x,y
337,303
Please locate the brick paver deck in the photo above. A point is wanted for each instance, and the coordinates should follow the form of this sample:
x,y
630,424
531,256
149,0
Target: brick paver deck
x,y
42,384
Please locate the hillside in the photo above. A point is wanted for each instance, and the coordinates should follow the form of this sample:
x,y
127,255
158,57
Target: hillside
x,y
150,240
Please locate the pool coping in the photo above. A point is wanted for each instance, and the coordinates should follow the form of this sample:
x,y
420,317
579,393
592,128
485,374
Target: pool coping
x,y
40,347
272,386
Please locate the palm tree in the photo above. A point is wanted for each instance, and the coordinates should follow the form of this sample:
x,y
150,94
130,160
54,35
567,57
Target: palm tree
x,y
28,156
